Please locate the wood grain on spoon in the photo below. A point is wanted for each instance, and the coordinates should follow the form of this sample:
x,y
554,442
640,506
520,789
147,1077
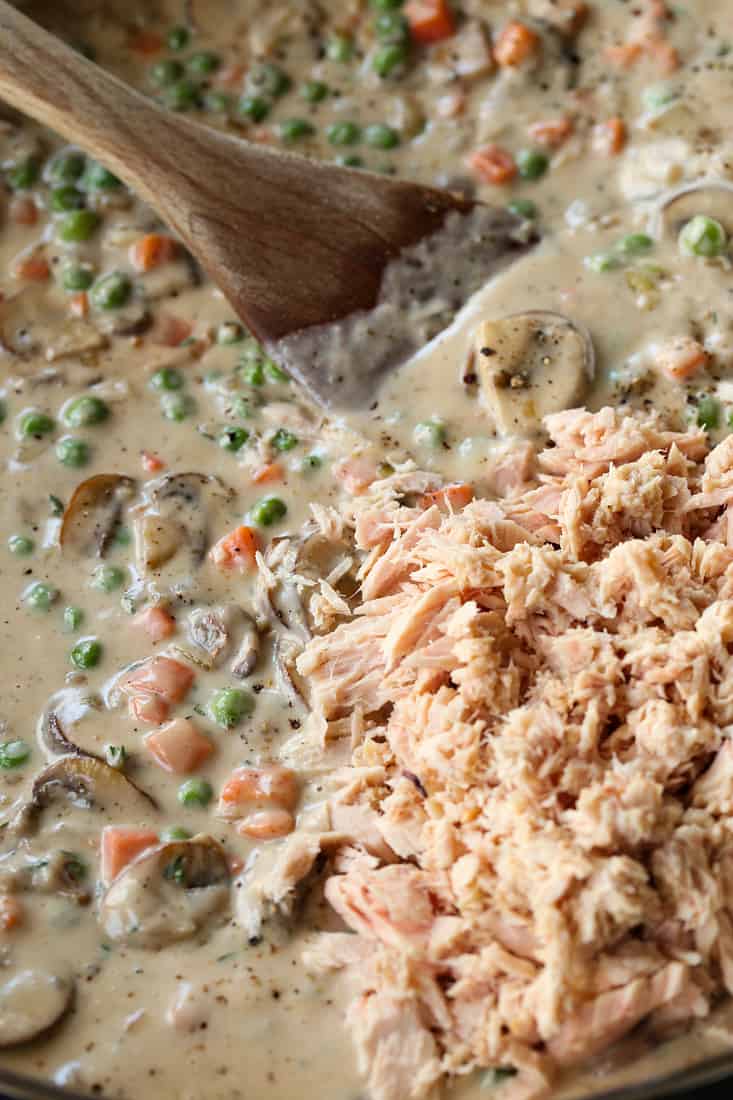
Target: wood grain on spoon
x,y
292,242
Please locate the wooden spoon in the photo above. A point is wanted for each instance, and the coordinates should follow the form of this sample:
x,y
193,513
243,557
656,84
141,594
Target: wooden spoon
x,y
294,244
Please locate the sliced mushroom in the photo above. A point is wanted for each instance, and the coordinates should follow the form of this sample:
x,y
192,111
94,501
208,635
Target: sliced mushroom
x,y
55,739
531,364
215,631
713,197
29,326
167,894
90,782
31,1003
245,661
176,518
93,513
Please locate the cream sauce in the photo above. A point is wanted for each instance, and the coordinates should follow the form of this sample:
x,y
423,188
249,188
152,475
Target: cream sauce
x,y
216,1015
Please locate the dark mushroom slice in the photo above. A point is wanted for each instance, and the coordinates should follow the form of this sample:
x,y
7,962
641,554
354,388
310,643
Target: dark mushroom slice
x,y
177,517
30,326
530,365
90,782
93,512
169,893
714,198
32,1002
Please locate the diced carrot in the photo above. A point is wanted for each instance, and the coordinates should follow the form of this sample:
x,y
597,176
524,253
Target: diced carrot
x,y
151,463
23,210
248,788
179,746
356,474
149,708
430,20
453,497
151,251
551,132
267,824
271,471
12,912
79,304
120,845
681,358
624,55
609,137
515,43
147,43
163,676
236,550
170,331
492,164
33,268
157,623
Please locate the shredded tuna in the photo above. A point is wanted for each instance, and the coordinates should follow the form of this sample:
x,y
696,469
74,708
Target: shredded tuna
x,y
538,816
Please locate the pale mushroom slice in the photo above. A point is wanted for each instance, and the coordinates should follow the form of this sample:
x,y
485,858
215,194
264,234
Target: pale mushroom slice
x,y
169,893
30,327
529,365
90,783
711,197
175,518
32,1002
93,512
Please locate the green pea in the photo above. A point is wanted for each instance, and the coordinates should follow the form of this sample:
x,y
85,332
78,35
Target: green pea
x,y
340,48
116,756
175,833
87,653
24,174
195,792
75,278
392,26
78,225
182,96
532,164
167,378
35,423
99,178
111,291
73,618
41,596
21,545
176,406
229,706
106,578
283,440
178,38
233,439
165,72
269,79
253,107
203,63
708,413
85,412
229,333
66,167
634,244
254,374
63,199
295,129
72,452
351,160
430,433
268,511
702,236
314,91
13,754
343,133
523,208
601,262
381,136
218,103
275,373
390,59
656,96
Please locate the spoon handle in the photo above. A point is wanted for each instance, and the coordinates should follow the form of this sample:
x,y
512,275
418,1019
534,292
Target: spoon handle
x,y
60,88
